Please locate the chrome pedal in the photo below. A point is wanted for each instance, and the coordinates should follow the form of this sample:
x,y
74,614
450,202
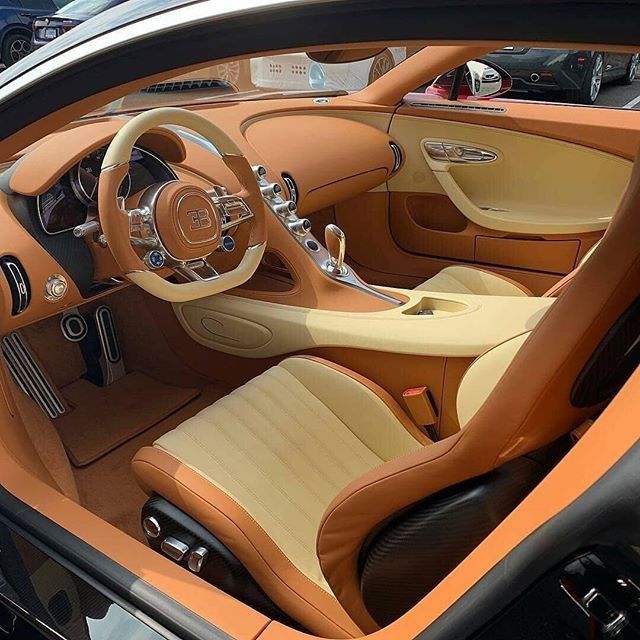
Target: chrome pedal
x,y
74,327
30,377
111,358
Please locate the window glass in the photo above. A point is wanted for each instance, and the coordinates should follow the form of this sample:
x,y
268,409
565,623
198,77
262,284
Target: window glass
x,y
47,5
600,78
288,75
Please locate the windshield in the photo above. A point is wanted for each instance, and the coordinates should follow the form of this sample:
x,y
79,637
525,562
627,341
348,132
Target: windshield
x,y
286,75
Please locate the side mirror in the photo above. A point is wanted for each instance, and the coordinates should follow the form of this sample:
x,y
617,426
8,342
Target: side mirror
x,y
480,80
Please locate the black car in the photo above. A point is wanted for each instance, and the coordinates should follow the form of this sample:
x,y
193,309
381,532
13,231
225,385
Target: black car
x,y
576,76
16,19
49,27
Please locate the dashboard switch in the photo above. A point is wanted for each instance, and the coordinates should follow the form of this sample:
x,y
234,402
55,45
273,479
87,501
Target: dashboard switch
x,y
55,288
271,190
285,208
259,171
301,226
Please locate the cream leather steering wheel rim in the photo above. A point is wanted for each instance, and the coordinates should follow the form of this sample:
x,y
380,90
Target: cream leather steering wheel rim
x,y
176,220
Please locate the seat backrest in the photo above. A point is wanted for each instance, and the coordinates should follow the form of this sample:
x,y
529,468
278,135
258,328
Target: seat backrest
x,y
529,407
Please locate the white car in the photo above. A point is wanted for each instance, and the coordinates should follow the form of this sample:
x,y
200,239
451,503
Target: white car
x,y
297,72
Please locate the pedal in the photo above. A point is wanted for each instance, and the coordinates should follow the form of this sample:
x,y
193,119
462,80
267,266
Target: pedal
x,y
74,327
111,358
30,377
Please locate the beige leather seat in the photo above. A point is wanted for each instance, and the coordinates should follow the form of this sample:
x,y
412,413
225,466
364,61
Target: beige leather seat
x,y
476,281
295,470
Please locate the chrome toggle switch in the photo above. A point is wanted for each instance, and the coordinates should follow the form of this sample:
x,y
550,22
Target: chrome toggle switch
x,y
271,190
301,226
285,208
174,548
197,559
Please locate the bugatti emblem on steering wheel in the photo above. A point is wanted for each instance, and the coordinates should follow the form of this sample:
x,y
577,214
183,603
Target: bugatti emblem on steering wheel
x,y
200,219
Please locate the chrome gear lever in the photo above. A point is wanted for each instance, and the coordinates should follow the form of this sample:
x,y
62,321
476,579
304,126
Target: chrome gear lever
x,y
336,243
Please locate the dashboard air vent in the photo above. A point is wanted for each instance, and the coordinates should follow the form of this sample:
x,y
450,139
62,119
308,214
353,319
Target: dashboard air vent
x,y
18,283
189,85
397,156
291,187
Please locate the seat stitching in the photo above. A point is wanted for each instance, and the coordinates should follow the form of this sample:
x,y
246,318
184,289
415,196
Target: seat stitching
x,y
206,450
274,398
337,433
295,445
337,417
284,462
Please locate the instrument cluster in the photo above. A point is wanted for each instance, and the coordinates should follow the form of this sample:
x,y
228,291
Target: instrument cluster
x,y
72,200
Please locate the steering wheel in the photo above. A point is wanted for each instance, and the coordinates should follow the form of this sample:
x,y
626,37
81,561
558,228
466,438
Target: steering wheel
x,y
177,224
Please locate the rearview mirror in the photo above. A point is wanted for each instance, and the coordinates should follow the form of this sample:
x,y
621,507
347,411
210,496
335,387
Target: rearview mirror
x,y
343,56
480,80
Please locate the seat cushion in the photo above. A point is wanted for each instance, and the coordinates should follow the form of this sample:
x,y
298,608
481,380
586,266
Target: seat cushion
x,y
474,281
280,448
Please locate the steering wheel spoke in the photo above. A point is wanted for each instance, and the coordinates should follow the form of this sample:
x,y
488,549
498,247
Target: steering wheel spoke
x,y
197,271
233,211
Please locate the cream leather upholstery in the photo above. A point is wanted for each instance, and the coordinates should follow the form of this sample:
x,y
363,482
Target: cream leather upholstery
x,y
483,375
469,280
285,444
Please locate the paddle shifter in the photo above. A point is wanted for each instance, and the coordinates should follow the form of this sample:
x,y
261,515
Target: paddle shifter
x,y
336,243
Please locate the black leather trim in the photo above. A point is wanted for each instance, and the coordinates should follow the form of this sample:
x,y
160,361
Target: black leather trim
x,y
604,514
71,253
130,590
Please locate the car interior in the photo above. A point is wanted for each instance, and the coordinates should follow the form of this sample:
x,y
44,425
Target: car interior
x,y
304,354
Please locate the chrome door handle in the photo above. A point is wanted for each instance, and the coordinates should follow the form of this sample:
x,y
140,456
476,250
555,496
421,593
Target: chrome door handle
x,y
458,153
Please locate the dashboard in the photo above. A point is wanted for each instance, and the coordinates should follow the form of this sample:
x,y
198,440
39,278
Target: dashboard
x,y
72,200
51,188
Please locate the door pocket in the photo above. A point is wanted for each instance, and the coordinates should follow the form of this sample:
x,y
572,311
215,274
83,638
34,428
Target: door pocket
x,y
552,256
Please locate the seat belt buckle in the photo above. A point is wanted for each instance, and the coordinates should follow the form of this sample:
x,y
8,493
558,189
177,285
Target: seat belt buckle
x,y
421,409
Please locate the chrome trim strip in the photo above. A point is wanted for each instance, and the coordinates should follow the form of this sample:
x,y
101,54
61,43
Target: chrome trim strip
x,y
451,106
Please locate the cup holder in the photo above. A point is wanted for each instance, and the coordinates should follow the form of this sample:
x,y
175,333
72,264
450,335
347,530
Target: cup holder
x,y
435,307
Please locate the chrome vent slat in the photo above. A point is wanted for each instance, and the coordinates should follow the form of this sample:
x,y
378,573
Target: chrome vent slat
x,y
29,377
291,187
18,284
397,155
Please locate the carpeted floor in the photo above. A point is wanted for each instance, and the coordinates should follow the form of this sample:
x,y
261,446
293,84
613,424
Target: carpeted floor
x,y
107,486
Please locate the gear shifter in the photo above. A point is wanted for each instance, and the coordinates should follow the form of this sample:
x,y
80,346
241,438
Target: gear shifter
x,y
336,243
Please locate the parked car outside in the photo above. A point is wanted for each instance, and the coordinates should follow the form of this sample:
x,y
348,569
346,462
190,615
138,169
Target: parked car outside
x,y
16,23
50,27
575,76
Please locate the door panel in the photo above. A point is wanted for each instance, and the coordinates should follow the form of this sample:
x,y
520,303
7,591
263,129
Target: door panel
x,y
534,186
530,213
